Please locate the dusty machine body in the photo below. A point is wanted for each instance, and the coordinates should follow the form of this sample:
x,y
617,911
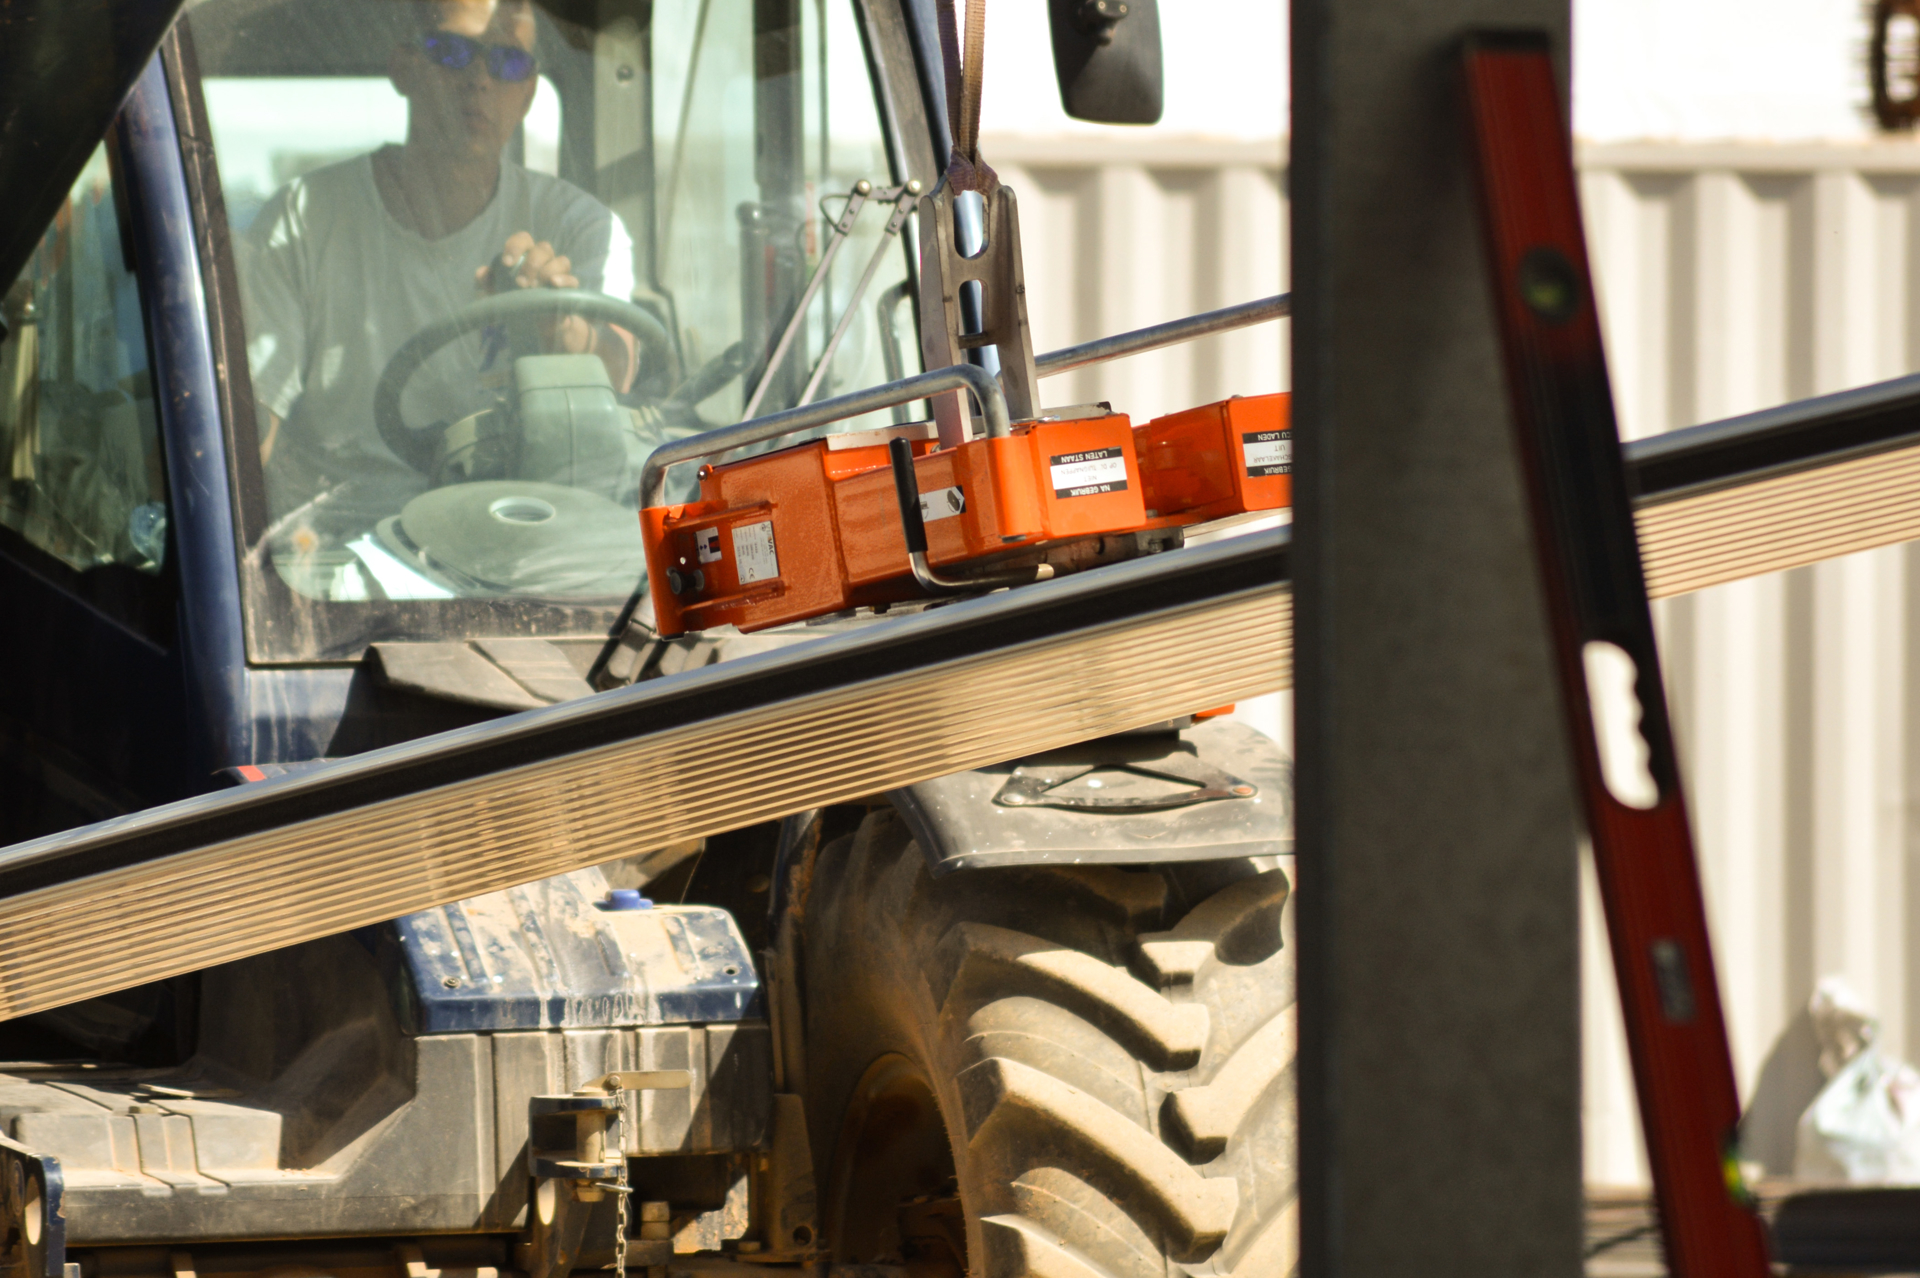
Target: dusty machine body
x,y
1034,1018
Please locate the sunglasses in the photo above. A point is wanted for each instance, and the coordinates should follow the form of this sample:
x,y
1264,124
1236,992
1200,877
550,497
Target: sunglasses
x,y
507,63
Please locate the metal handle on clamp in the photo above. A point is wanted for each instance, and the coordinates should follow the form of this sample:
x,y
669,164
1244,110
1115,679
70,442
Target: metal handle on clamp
x,y
993,405
907,489
986,389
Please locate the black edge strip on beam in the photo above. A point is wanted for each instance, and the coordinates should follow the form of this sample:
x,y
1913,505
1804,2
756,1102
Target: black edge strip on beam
x,y
1796,436
1133,591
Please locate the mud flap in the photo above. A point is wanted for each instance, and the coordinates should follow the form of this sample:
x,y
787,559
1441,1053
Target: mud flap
x,y
1218,789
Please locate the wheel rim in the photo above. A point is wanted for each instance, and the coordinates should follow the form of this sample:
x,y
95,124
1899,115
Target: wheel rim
x,y
893,1196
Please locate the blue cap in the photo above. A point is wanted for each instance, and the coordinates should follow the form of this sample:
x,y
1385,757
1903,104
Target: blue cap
x,y
625,899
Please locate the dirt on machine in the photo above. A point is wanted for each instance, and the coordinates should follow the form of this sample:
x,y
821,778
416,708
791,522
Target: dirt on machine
x,y
1030,1019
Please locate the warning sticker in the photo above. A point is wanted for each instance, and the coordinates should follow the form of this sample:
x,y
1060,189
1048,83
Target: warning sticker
x,y
708,542
1102,470
753,552
1269,452
941,503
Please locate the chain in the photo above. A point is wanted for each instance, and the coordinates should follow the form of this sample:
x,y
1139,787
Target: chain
x,y
620,1196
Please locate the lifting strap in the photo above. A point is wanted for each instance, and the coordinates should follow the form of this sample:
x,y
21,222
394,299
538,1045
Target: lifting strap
x,y
965,172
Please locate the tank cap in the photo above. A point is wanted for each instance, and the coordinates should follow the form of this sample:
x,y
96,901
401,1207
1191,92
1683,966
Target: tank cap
x,y
624,899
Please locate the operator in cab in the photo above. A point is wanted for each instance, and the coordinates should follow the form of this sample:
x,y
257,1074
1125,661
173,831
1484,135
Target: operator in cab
x,y
349,261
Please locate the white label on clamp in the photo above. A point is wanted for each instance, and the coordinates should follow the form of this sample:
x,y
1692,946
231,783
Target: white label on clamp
x,y
1268,452
1100,470
708,542
753,552
941,503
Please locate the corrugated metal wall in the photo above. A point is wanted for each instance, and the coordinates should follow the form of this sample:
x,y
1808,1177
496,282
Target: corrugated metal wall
x,y
1119,232
1731,278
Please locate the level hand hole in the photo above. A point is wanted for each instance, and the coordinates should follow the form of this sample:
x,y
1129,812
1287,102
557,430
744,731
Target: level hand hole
x,y
1614,699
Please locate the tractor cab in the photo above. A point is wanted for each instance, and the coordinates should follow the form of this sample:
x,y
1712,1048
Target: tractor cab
x,y
398,298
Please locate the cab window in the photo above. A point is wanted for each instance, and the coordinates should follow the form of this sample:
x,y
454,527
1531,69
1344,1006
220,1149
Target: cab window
x,y
424,467
79,444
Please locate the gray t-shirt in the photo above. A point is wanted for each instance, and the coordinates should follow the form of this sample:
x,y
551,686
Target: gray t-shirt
x,y
333,286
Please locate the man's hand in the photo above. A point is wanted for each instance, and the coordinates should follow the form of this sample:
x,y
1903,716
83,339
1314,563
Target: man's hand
x,y
534,264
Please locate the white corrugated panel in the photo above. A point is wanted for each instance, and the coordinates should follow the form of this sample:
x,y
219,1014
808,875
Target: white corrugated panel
x,y
1731,278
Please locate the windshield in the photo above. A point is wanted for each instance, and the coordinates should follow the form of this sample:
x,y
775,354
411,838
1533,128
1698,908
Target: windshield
x,y
488,256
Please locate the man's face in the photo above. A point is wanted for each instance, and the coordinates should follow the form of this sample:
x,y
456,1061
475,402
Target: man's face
x,y
467,112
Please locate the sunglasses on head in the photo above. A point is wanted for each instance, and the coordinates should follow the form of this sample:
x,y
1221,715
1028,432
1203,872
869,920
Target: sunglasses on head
x,y
508,63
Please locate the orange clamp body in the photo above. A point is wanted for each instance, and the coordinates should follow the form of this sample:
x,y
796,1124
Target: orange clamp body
x,y
814,529
1219,459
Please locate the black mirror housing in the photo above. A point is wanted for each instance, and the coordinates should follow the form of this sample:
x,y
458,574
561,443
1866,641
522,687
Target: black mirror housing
x,y
1106,54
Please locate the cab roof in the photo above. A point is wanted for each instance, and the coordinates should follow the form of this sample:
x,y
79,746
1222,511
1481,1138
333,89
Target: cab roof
x,y
65,68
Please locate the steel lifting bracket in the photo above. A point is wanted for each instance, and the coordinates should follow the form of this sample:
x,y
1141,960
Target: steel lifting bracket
x,y
997,269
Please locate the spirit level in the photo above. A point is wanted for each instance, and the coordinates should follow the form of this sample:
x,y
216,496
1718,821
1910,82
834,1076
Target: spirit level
x,y
1609,668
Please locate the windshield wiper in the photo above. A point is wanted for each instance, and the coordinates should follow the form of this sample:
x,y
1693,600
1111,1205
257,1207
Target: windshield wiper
x,y
903,198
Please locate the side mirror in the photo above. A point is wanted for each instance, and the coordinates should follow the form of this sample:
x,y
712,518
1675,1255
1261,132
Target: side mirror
x,y
1106,54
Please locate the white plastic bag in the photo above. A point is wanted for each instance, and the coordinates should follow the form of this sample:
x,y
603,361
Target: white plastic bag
x,y
1864,1126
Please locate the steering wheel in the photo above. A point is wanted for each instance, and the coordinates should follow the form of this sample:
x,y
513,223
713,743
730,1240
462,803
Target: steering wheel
x,y
416,446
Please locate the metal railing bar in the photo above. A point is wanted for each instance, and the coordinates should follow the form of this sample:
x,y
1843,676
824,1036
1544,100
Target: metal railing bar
x,y
1171,333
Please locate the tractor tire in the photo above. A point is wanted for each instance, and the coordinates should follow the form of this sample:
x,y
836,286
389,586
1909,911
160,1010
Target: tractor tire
x,y
1073,1072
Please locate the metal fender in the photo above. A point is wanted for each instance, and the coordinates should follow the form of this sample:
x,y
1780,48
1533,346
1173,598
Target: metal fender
x,y
1214,790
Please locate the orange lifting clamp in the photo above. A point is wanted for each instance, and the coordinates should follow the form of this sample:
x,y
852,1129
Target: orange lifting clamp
x,y
963,503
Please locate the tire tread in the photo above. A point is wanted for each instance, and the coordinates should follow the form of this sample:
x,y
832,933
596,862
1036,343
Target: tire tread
x,y
1106,1040
1173,1035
